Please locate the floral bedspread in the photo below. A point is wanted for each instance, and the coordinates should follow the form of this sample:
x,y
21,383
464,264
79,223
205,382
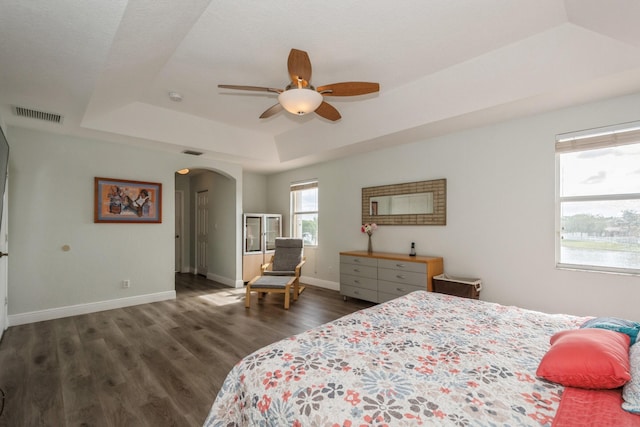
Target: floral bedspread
x,y
422,359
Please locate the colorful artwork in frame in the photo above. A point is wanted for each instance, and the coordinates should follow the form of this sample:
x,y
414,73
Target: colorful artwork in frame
x,y
119,200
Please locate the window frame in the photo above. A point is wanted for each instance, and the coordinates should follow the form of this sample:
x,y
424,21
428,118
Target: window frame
x,y
295,188
612,136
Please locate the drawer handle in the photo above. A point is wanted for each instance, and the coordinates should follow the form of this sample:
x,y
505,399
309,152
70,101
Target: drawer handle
x,y
356,270
400,276
400,289
400,265
356,260
356,292
356,281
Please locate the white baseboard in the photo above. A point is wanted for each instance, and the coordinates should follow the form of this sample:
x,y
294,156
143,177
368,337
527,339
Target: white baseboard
x,y
92,307
334,286
225,280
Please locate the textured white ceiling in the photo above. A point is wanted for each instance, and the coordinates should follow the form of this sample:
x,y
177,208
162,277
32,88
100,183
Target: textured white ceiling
x,y
107,67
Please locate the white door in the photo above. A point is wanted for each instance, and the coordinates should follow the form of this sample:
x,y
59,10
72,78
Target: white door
x,y
179,231
202,231
4,268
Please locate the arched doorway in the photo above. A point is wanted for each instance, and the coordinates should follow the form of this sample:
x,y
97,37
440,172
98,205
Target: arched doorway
x,y
219,251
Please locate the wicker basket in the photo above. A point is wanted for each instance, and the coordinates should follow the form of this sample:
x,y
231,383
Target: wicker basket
x,y
457,286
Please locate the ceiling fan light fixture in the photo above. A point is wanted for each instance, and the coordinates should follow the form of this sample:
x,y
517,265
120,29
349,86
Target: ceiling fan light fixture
x,y
300,98
300,101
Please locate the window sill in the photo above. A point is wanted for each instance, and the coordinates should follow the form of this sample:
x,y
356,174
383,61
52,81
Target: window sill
x,y
595,269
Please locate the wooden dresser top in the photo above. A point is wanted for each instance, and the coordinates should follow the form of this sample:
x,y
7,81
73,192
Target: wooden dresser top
x,y
393,256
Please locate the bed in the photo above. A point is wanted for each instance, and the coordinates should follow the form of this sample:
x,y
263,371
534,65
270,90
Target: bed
x,y
424,358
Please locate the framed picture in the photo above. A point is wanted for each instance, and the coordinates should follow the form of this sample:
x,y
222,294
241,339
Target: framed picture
x,y
119,200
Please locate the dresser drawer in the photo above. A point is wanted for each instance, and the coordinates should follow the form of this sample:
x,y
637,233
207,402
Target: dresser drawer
x,y
358,282
404,277
360,293
416,267
380,277
359,270
398,289
347,259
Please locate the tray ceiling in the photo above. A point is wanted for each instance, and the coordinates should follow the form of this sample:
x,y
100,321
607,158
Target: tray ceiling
x,y
108,68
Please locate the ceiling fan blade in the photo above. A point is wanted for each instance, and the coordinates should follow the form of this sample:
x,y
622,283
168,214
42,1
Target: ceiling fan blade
x,y
349,89
299,66
328,111
255,88
271,111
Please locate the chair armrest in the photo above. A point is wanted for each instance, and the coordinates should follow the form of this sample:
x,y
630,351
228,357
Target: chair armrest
x,y
263,267
299,267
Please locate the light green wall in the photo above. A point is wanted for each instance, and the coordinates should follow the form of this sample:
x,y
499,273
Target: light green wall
x,y
500,220
51,205
500,211
254,193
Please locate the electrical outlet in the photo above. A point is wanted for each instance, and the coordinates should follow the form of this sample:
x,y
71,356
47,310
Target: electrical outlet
x,y
126,283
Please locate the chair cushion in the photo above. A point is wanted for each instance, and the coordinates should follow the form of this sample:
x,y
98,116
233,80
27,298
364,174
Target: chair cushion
x,y
273,282
279,273
286,242
287,255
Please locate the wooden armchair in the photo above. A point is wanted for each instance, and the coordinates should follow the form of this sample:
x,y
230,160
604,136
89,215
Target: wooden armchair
x,y
281,274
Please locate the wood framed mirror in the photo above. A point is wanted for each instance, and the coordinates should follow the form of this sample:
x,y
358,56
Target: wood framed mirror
x,y
410,203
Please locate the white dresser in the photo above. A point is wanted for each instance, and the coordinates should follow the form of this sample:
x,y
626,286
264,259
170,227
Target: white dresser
x,y
381,276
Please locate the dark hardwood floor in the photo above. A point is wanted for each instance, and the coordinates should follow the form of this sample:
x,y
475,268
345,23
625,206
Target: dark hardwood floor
x,y
158,364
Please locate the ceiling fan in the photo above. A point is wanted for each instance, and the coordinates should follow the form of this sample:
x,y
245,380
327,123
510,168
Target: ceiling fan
x,y
300,98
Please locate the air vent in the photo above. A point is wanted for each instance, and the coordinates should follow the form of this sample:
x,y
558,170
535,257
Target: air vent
x,y
39,115
192,153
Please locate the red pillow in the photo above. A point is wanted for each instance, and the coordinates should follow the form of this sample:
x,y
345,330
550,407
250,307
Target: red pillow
x,y
587,358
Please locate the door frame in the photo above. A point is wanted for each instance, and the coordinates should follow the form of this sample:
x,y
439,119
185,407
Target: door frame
x,y
179,231
197,229
4,261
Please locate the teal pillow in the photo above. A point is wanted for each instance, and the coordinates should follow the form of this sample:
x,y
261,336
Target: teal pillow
x,y
614,324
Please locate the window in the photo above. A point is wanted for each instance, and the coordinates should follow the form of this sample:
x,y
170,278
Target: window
x,y
598,188
304,211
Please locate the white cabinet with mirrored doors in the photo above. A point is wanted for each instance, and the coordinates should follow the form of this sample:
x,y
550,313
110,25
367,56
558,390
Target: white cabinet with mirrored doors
x,y
259,239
